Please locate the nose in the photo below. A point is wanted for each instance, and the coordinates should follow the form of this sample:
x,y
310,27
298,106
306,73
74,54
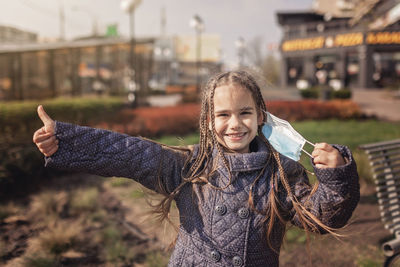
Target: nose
x,y
234,122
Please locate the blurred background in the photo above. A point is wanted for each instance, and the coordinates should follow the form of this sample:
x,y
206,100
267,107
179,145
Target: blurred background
x,y
330,67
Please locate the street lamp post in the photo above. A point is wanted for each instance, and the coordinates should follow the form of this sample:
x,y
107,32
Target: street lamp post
x,y
197,23
129,7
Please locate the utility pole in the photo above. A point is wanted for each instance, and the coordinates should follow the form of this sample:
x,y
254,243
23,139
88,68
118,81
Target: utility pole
x,y
163,22
62,21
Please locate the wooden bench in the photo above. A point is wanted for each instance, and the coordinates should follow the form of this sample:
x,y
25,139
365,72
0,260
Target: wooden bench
x,y
384,158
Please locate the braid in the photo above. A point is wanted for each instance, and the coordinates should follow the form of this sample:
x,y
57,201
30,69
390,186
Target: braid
x,y
203,165
215,141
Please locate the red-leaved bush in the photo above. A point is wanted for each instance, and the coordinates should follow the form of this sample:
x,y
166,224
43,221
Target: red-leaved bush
x,y
183,119
314,109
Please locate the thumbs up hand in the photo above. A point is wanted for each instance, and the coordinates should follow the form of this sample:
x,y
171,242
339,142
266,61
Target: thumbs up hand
x,y
44,138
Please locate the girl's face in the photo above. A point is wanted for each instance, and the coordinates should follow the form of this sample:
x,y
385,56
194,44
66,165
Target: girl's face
x,y
236,117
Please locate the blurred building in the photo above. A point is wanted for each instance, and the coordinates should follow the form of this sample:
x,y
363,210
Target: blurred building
x,y
80,67
175,61
32,68
353,43
10,34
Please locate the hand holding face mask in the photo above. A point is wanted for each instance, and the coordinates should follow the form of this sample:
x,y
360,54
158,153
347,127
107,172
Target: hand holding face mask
x,y
290,143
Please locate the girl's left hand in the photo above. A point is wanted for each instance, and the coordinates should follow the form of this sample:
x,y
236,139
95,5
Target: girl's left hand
x,y
326,156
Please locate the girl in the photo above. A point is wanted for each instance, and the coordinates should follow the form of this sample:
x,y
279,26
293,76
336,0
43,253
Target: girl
x,y
234,192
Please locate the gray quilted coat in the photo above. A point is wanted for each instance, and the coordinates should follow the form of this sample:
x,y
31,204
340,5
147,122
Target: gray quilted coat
x,y
217,227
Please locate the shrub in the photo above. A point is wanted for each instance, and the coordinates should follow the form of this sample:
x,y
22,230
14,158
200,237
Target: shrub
x,y
157,121
19,120
309,93
314,109
22,163
326,93
183,119
342,94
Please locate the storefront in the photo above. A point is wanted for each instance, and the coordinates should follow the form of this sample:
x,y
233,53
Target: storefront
x,y
359,55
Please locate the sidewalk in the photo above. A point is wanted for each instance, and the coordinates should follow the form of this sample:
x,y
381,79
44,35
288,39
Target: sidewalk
x,y
381,103
378,102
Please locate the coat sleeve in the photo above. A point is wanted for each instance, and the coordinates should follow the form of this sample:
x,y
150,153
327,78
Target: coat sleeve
x,y
106,153
335,198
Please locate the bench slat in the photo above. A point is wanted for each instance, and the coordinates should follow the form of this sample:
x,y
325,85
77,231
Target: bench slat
x,y
383,181
389,220
388,212
387,188
387,200
386,194
386,160
382,176
373,157
370,147
392,166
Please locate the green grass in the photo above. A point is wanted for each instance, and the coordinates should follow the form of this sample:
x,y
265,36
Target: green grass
x,y
120,182
156,259
180,141
351,133
137,194
367,262
295,235
114,246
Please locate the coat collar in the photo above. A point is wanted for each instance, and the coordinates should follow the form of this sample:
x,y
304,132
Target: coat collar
x,y
255,160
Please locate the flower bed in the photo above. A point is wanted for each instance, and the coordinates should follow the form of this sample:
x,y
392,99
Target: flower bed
x,y
314,109
183,119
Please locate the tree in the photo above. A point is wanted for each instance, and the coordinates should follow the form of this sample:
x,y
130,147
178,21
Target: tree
x,y
266,64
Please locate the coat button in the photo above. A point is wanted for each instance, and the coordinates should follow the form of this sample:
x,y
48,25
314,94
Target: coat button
x,y
243,213
220,209
237,261
215,255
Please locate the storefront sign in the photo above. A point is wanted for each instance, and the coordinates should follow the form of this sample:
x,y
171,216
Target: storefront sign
x,y
383,38
348,39
339,40
303,44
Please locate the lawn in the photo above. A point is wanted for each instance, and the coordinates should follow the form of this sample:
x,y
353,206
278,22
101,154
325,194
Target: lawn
x,y
351,133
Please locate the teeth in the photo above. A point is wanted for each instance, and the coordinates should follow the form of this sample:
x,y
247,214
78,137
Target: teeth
x,y
236,135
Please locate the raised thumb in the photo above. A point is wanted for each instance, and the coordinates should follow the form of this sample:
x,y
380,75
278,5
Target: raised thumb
x,y
47,121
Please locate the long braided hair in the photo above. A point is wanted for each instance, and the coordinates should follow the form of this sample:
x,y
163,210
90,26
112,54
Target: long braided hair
x,y
200,169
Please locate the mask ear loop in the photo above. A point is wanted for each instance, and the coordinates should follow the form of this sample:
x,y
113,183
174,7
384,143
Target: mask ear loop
x,y
302,149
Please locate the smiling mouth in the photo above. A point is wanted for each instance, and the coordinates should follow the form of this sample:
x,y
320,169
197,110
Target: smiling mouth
x,y
235,136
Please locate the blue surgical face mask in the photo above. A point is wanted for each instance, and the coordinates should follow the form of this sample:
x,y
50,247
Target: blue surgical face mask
x,y
283,137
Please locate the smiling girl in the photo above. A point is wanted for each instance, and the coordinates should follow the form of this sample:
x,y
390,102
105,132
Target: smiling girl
x,y
234,192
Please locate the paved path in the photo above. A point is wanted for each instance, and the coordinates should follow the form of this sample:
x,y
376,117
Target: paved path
x,y
381,103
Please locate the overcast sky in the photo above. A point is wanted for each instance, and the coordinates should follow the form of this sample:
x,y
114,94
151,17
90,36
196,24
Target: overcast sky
x,y
228,18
